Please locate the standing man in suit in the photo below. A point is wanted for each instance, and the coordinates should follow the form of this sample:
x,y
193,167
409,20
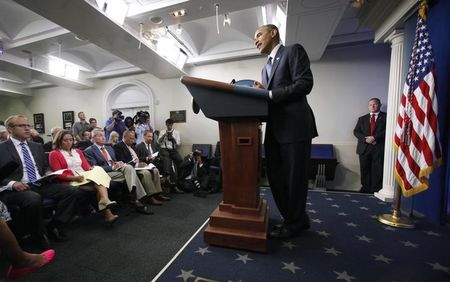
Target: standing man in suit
x,y
370,131
290,128
21,187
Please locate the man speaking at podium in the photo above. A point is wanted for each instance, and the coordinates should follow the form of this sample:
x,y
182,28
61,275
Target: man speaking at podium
x,y
290,128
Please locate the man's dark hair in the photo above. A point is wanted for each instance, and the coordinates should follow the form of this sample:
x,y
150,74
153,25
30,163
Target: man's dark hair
x,y
92,120
169,121
375,99
273,27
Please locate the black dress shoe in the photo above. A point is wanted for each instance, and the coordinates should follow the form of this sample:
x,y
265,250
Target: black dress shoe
x,y
56,235
283,233
144,209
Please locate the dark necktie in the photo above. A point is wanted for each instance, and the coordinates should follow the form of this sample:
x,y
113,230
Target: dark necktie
x,y
29,165
269,68
372,124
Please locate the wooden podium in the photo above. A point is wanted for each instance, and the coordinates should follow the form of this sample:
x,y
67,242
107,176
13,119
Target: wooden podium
x,y
240,221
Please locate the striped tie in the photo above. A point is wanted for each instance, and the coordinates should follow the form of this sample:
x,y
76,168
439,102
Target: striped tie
x,y
29,165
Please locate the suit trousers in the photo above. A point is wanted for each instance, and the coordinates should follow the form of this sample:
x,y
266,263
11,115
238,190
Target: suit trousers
x,y
30,203
371,166
128,174
150,180
287,171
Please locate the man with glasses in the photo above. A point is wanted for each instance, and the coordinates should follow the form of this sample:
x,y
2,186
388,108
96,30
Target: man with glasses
x,y
23,188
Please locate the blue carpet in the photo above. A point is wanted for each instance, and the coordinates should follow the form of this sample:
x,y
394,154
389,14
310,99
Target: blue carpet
x,y
345,243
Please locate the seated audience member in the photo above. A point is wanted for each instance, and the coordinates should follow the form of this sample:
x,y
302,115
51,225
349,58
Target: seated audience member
x,y
48,147
85,142
194,173
151,181
105,157
113,138
22,262
22,187
169,140
79,127
75,164
3,133
35,137
115,123
92,124
145,151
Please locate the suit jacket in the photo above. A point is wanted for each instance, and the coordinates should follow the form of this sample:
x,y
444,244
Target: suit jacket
x,y
290,117
95,157
123,154
9,153
57,161
142,151
362,129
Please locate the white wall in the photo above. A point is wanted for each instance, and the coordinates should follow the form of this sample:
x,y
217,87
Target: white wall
x,y
344,80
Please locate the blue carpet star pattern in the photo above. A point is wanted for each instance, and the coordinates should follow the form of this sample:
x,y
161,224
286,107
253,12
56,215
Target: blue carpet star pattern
x,y
345,243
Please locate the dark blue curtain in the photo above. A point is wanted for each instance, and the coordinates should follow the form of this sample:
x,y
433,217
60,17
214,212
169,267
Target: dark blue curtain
x,y
434,203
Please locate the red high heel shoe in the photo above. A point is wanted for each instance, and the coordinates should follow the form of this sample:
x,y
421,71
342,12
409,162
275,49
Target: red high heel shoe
x,y
14,273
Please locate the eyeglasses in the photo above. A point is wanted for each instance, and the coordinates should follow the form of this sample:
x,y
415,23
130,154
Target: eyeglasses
x,y
22,125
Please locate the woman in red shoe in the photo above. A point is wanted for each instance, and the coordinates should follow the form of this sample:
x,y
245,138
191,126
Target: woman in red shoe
x,y
78,172
22,262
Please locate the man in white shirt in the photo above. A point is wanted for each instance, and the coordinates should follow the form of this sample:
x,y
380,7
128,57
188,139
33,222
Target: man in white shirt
x,y
169,141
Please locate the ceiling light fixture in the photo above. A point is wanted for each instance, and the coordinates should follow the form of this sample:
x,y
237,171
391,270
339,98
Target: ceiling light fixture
x,y
217,17
357,3
179,13
226,20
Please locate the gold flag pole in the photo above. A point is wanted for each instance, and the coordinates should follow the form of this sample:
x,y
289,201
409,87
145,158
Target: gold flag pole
x,y
395,218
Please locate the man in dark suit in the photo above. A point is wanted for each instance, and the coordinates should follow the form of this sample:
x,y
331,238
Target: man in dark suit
x,y
290,128
22,189
145,151
370,131
104,156
150,179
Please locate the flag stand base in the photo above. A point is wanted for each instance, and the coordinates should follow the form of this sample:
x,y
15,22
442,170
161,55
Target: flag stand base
x,y
398,222
395,218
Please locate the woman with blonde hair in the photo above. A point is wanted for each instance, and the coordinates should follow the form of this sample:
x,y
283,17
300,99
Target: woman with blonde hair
x,y
78,172
113,138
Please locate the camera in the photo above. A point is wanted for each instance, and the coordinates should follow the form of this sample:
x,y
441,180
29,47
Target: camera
x,y
169,135
118,115
197,153
141,117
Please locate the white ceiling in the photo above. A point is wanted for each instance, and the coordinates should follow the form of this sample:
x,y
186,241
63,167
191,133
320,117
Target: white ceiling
x,y
32,31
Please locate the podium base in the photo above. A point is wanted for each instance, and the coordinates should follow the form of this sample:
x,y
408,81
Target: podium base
x,y
237,227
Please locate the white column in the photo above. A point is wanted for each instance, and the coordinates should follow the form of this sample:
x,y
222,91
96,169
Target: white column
x,y
396,38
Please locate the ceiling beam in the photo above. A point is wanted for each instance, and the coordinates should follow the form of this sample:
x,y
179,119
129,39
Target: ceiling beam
x,y
103,32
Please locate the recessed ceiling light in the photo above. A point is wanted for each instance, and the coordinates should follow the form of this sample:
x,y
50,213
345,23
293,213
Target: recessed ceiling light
x,y
179,13
156,20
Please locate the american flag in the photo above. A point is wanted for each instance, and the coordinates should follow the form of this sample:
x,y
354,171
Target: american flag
x,y
417,131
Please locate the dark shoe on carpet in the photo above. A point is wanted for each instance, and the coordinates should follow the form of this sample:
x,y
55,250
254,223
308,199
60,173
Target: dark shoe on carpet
x,y
161,197
283,233
176,190
144,209
56,235
154,202
112,220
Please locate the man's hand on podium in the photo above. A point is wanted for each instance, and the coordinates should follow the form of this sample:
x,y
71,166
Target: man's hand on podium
x,y
258,84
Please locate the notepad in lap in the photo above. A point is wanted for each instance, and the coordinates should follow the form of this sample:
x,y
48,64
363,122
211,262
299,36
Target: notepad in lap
x,y
96,175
